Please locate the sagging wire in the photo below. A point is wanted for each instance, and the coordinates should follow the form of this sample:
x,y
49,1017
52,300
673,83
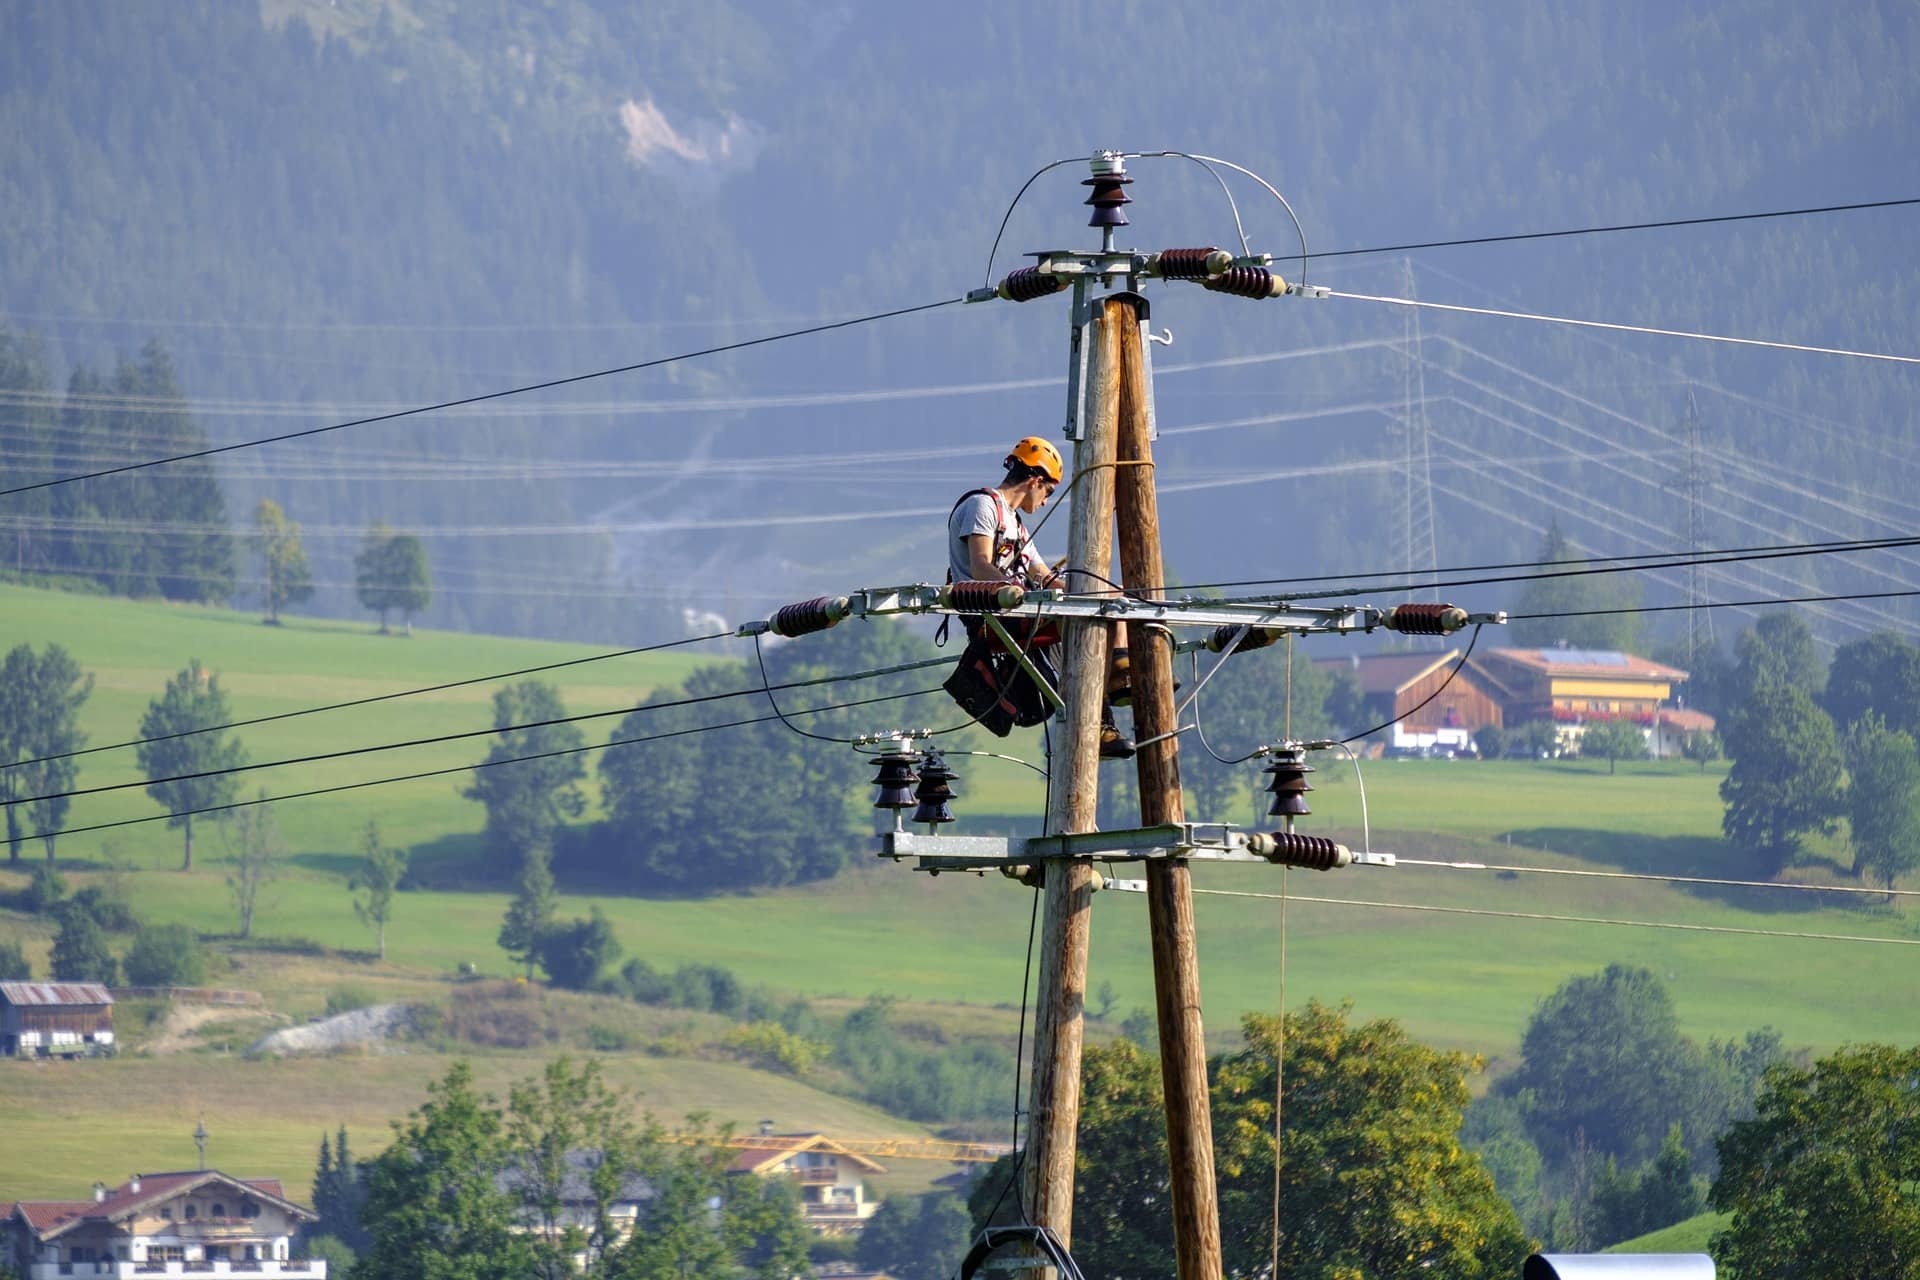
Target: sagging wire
x,y
317,757
482,764
1008,216
379,697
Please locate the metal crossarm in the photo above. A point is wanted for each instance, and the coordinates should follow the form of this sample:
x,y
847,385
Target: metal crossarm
x,y
1190,841
1264,615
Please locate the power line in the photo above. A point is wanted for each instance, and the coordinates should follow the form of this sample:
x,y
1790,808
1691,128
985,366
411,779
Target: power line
x,y
491,395
319,757
378,697
1556,919
1723,604
1622,226
1640,875
1846,544
483,764
1621,328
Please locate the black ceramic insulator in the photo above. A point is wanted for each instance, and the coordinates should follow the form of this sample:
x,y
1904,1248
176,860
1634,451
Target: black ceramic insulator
x,y
1029,283
1107,198
1185,264
1316,853
1256,638
1289,786
809,616
934,791
1425,619
896,779
984,597
1246,282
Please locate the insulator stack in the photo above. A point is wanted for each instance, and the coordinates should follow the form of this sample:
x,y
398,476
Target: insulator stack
x,y
1190,264
1246,282
810,615
1289,785
1109,176
1256,638
1029,283
1315,853
983,597
1425,619
936,788
896,779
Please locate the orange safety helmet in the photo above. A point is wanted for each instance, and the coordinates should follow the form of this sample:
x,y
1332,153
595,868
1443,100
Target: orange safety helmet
x,y
1038,454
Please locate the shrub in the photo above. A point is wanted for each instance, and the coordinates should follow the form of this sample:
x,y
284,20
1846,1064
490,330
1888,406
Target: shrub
x,y
770,1046
13,963
607,1039
346,998
110,911
45,889
166,955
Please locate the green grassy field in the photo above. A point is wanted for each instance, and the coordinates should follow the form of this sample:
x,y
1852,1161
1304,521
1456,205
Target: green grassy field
x,y
1461,956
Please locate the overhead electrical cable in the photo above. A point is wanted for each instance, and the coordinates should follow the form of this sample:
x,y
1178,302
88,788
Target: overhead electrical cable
x,y
345,752
1617,327
1723,604
378,697
1514,237
491,395
1658,879
480,764
1557,919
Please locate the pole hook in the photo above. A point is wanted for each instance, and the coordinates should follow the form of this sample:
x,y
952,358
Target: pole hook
x,y
1164,337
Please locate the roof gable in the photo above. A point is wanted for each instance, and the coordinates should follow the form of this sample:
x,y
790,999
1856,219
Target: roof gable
x,y
763,1159
48,1218
54,993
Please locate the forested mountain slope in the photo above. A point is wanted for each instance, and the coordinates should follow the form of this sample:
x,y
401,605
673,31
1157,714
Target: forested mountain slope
x,y
332,210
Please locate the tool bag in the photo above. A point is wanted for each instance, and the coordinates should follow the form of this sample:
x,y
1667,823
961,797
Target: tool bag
x,y
993,688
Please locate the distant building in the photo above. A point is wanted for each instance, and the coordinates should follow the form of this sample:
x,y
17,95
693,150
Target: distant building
x,y
204,1223
1575,687
579,1209
55,1019
829,1177
1394,685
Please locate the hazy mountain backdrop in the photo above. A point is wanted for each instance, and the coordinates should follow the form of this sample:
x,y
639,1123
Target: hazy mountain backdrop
x,y
332,209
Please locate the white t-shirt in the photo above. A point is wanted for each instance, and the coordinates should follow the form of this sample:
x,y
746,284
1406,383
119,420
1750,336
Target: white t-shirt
x,y
987,515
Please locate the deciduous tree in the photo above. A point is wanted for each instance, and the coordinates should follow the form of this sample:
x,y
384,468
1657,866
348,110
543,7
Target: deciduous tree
x,y
435,1208
374,885
252,837
529,780
1613,740
1824,1180
1878,673
286,579
390,572
1786,775
180,739
1883,800
40,700
80,951
165,955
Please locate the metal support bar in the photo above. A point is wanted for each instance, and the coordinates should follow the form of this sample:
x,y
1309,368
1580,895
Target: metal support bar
x,y
1026,664
1194,841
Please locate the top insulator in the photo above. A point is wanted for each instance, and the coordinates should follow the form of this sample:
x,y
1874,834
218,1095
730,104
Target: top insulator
x,y
1109,176
1423,619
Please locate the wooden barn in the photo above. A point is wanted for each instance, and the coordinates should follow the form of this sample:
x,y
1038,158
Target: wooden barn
x,y
55,1019
1393,685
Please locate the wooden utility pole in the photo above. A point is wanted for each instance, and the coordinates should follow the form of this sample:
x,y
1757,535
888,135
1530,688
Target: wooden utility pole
x,y
1176,967
1054,1096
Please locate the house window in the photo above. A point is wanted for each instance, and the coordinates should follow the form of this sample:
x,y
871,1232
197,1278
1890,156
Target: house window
x,y
248,1209
193,1211
167,1213
219,1210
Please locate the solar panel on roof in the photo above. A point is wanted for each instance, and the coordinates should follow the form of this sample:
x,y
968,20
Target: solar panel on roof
x,y
1584,657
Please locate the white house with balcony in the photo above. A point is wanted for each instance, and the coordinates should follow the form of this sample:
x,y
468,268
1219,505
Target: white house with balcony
x,y
830,1178
200,1224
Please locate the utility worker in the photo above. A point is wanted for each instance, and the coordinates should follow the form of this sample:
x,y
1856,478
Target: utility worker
x,y
988,542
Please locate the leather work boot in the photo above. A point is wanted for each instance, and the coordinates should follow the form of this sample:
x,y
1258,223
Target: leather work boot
x,y
1114,745
1120,677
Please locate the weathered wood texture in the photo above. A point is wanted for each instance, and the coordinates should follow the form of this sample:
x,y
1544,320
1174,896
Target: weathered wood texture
x,y
1176,969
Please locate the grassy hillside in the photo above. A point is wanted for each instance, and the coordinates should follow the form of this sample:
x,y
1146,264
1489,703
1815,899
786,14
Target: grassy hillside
x,y
956,942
